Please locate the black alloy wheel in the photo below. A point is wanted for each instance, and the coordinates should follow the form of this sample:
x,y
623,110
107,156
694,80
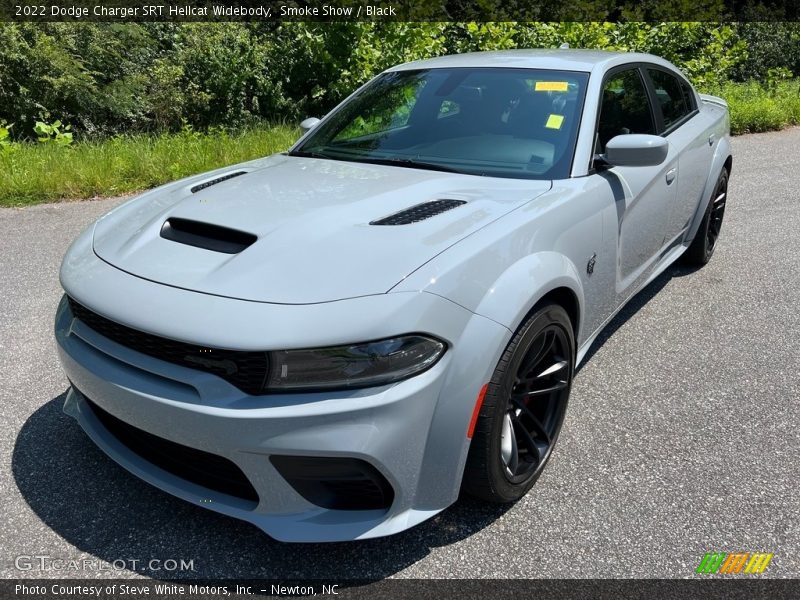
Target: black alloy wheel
x,y
524,408
718,201
536,404
705,240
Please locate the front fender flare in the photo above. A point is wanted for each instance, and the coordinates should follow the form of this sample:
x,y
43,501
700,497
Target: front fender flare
x,y
520,287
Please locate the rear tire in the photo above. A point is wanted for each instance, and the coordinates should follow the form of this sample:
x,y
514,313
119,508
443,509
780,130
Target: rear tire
x,y
523,409
705,240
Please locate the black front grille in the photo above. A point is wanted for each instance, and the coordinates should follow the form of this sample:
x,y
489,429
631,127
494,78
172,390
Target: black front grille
x,y
246,370
201,468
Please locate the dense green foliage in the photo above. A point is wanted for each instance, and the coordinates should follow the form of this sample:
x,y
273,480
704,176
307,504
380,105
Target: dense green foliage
x,y
31,173
105,78
770,47
122,88
41,172
755,107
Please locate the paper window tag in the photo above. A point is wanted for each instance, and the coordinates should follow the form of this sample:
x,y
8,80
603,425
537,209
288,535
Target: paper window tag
x,y
554,121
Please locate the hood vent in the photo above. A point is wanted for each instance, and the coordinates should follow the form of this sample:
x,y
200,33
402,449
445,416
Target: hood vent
x,y
206,235
216,180
420,212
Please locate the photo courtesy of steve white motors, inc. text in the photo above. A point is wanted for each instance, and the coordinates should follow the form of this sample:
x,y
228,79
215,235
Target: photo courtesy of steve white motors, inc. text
x,y
181,11
145,588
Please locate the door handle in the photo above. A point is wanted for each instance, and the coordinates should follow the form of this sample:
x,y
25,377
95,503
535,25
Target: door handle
x,y
711,139
671,176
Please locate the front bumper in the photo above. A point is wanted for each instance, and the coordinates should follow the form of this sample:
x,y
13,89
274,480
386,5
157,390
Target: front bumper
x,y
412,432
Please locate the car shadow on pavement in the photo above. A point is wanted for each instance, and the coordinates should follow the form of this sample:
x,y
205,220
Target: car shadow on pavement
x,y
102,510
635,305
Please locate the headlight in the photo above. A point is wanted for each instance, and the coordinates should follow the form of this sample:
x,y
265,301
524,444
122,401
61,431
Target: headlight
x,y
353,366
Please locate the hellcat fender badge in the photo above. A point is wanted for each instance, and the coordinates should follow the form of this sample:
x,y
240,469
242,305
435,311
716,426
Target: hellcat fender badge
x,y
590,264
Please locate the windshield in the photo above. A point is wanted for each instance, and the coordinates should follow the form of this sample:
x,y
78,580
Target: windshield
x,y
518,123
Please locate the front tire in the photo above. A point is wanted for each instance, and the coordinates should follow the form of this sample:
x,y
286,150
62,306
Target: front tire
x,y
523,409
705,240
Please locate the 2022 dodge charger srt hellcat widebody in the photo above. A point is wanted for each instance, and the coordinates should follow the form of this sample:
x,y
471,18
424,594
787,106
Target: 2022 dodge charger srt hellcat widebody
x,y
333,342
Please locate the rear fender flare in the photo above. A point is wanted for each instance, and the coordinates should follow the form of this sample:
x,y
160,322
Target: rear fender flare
x,y
720,156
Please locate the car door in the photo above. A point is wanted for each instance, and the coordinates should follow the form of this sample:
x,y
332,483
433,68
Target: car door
x,y
683,125
643,196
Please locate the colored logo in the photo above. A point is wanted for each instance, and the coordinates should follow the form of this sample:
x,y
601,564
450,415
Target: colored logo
x,y
734,562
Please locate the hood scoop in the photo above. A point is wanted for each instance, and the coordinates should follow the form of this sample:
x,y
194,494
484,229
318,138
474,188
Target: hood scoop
x,y
206,235
419,212
215,181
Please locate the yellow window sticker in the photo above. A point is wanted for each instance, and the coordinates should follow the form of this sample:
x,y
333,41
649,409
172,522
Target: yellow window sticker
x,y
554,121
551,86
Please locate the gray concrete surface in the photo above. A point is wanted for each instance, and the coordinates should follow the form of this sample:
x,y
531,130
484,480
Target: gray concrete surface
x,y
682,436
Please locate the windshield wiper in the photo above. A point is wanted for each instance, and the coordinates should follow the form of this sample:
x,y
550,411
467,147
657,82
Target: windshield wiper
x,y
311,154
392,162
407,162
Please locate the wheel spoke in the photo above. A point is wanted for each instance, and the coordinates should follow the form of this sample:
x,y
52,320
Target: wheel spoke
x,y
555,368
507,441
527,440
534,358
513,464
548,390
537,425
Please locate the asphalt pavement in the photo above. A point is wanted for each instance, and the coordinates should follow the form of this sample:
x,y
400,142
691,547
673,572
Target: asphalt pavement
x,y
682,435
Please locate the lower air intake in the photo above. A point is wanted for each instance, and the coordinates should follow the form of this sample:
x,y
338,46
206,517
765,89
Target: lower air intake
x,y
336,483
201,468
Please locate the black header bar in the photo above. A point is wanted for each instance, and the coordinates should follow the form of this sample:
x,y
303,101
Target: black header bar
x,y
276,11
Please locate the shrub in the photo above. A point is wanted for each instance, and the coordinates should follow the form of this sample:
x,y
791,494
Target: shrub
x,y
770,45
53,133
108,78
756,107
6,145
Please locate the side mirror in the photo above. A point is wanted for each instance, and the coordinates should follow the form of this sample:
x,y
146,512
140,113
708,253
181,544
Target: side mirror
x,y
635,150
309,123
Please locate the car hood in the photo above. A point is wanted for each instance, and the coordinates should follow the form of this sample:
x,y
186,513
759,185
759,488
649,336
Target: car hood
x,y
311,221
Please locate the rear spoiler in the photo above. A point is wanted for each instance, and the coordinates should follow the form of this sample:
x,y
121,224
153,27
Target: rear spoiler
x,y
714,100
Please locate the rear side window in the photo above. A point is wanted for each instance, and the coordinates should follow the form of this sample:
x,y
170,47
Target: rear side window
x,y
672,96
625,107
688,94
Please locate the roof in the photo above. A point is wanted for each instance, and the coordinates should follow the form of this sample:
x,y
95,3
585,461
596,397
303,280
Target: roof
x,y
561,60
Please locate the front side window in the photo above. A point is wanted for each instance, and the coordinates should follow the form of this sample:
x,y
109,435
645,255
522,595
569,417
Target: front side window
x,y
671,96
498,122
625,107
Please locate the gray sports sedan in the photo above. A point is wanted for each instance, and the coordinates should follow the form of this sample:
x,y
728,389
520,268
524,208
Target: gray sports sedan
x,y
333,342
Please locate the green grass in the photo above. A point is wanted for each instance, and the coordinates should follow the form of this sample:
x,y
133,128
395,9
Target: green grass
x,y
34,173
756,108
